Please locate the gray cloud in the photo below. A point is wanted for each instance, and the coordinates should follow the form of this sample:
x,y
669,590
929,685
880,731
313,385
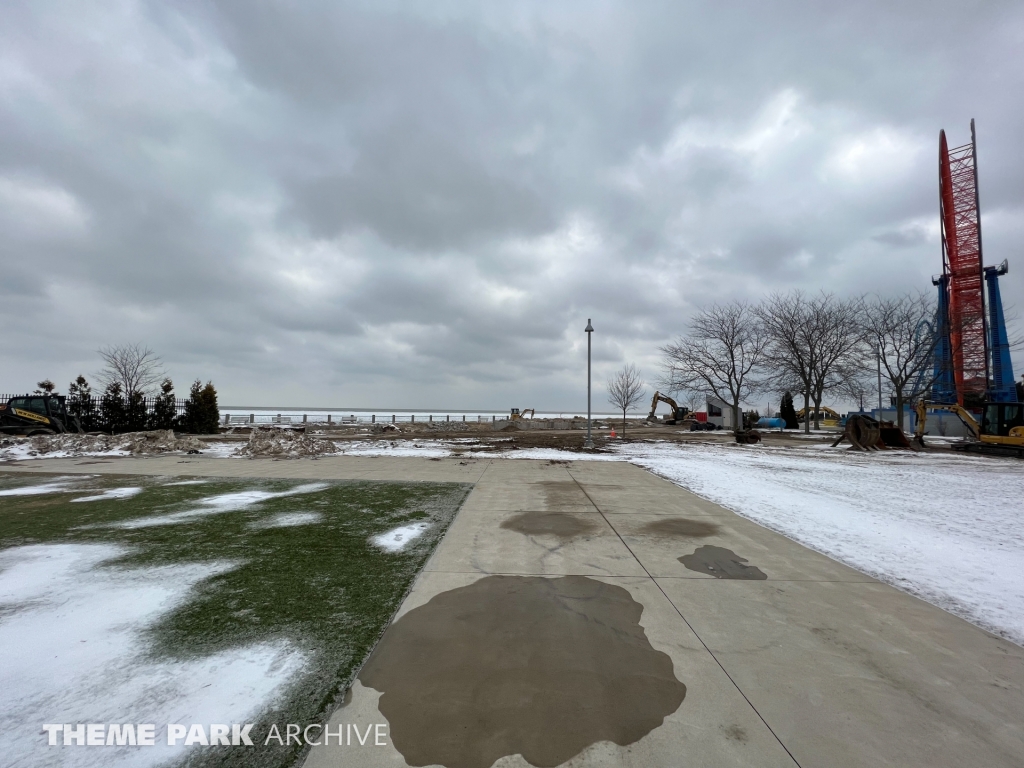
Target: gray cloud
x,y
380,205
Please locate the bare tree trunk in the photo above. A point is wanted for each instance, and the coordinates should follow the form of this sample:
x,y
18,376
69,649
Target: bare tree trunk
x,y
899,408
817,412
807,412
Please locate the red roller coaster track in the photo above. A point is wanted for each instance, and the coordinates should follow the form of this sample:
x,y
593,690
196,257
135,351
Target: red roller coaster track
x,y
961,255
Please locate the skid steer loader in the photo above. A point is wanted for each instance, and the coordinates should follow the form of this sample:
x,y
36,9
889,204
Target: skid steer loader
x,y
36,415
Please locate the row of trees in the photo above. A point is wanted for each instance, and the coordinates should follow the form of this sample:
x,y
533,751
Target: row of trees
x,y
812,345
131,401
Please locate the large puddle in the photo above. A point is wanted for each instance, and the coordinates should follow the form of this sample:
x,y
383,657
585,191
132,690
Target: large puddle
x,y
520,665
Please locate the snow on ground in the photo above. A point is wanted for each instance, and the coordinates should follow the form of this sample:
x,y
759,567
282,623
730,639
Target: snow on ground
x,y
396,540
224,502
112,493
59,485
288,519
428,448
946,528
72,643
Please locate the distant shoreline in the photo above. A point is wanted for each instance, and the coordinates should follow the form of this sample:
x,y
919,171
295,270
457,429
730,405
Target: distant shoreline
x,y
262,409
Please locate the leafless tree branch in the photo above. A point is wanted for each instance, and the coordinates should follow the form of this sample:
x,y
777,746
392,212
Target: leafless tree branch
x,y
135,367
721,354
626,389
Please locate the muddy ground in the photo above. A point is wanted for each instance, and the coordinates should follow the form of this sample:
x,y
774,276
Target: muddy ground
x,y
483,438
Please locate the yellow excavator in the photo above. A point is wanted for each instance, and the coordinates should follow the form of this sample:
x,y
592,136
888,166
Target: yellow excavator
x,y
516,414
680,415
1001,432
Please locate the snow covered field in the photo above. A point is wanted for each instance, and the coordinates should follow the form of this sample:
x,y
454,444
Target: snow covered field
x,y
71,646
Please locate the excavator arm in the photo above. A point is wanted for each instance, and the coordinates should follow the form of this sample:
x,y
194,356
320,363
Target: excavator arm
x,y
660,398
923,407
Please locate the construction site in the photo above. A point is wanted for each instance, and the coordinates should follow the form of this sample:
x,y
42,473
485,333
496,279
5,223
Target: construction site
x,y
678,586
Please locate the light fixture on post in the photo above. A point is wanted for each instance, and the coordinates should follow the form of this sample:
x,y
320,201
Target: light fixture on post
x,y
589,442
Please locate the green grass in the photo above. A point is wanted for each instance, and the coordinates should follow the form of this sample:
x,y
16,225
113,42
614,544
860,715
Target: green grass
x,y
320,586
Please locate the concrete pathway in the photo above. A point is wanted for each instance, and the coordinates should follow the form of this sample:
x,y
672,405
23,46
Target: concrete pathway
x,y
522,630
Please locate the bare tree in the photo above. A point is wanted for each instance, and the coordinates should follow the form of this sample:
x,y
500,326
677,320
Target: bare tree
x,y
789,355
691,399
815,345
721,355
133,366
626,389
899,334
838,345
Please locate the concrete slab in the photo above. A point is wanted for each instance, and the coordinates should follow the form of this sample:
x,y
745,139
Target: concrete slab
x,y
852,674
713,726
658,541
573,543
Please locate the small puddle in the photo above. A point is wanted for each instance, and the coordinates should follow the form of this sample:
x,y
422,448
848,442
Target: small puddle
x,y
681,526
559,524
721,563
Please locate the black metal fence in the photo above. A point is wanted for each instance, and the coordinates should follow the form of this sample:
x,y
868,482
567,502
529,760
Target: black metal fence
x,y
148,402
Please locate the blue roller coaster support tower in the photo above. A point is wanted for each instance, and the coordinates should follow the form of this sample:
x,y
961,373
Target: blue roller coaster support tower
x,y
943,385
1002,384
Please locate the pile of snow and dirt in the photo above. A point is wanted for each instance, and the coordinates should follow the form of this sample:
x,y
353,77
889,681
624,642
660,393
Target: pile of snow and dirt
x,y
128,444
284,444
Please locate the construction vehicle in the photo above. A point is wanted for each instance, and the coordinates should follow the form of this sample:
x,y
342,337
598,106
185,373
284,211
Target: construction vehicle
x,y
516,414
826,416
30,415
680,416
1001,432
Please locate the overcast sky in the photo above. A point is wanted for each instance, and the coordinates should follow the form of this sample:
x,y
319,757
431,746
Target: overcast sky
x,y
419,205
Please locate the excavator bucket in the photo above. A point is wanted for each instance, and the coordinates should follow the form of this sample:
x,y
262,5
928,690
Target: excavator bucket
x,y
892,436
867,434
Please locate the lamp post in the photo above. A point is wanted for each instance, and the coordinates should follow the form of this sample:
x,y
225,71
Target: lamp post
x,y
588,443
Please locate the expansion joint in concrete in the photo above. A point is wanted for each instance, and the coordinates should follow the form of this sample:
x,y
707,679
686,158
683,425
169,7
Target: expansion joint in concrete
x,y
685,620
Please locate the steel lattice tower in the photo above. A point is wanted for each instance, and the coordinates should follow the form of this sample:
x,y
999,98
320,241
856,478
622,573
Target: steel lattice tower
x,y
962,264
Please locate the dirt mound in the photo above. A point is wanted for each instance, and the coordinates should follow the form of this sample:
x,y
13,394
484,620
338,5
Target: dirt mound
x,y
285,444
136,443
449,426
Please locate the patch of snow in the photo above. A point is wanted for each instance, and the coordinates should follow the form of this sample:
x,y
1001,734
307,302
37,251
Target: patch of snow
x,y
60,485
189,482
112,493
396,540
225,450
73,644
288,519
429,448
224,502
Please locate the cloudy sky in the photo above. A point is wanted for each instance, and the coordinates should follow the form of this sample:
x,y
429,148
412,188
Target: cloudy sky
x,y
398,205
